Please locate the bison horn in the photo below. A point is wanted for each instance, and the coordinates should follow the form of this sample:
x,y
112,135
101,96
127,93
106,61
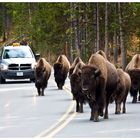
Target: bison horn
x,y
85,89
97,72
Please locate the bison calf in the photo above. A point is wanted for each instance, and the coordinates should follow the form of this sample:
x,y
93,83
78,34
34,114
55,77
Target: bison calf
x,y
42,74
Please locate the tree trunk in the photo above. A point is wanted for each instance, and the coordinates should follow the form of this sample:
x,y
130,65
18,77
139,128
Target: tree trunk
x,y
98,38
86,31
96,27
71,35
4,27
123,52
115,44
76,31
115,47
106,29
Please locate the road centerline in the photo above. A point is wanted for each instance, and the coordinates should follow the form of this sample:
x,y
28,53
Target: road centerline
x,y
63,121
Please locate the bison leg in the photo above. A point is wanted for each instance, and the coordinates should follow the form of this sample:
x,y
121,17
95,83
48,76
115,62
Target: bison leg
x,y
39,92
118,108
139,95
77,105
42,93
96,116
133,93
106,108
92,115
95,113
124,102
101,113
60,86
81,107
124,108
134,99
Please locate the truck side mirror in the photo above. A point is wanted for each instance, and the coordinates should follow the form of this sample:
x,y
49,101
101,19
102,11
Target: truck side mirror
x,y
37,56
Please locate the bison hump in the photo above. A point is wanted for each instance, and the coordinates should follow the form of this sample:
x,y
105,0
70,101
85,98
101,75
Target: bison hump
x,y
98,61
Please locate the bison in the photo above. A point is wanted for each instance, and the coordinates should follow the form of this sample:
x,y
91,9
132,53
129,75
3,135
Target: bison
x,y
121,92
99,80
42,75
76,89
133,69
61,69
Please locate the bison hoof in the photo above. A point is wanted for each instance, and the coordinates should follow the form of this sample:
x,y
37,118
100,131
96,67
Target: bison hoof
x,y
139,98
134,100
101,113
117,112
105,117
96,119
124,111
81,111
91,119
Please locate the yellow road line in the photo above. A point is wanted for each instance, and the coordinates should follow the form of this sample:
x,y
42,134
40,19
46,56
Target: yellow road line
x,y
63,121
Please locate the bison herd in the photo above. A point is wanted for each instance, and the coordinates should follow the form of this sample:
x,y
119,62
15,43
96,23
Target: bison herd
x,y
97,82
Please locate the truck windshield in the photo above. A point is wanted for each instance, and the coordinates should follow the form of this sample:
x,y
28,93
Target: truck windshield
x,y
17,53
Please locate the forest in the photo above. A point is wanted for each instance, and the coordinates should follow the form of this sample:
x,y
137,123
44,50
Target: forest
x,y
73,28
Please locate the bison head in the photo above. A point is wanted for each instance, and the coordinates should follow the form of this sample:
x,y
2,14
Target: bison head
x,y
59,74
57,68
70,72
40,76
89,80
135,78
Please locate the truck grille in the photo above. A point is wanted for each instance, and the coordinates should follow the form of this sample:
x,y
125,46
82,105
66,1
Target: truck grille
x,y
25,66
19,67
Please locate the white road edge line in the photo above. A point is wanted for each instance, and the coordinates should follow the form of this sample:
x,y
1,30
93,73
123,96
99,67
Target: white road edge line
x,y
63,121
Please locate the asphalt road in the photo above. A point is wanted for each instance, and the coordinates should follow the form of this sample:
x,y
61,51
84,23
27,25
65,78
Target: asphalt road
x,y
24,114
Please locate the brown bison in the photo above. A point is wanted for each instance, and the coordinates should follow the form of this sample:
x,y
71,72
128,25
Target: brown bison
x,y
61,69
42,74
121,92
133,69
99,80
76,89
76,60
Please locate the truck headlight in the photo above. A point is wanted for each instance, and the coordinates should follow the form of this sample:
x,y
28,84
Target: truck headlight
x,y
3,67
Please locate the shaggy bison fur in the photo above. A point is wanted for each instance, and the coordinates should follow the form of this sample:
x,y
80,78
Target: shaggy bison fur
x,y
99,80
61,69
42,74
